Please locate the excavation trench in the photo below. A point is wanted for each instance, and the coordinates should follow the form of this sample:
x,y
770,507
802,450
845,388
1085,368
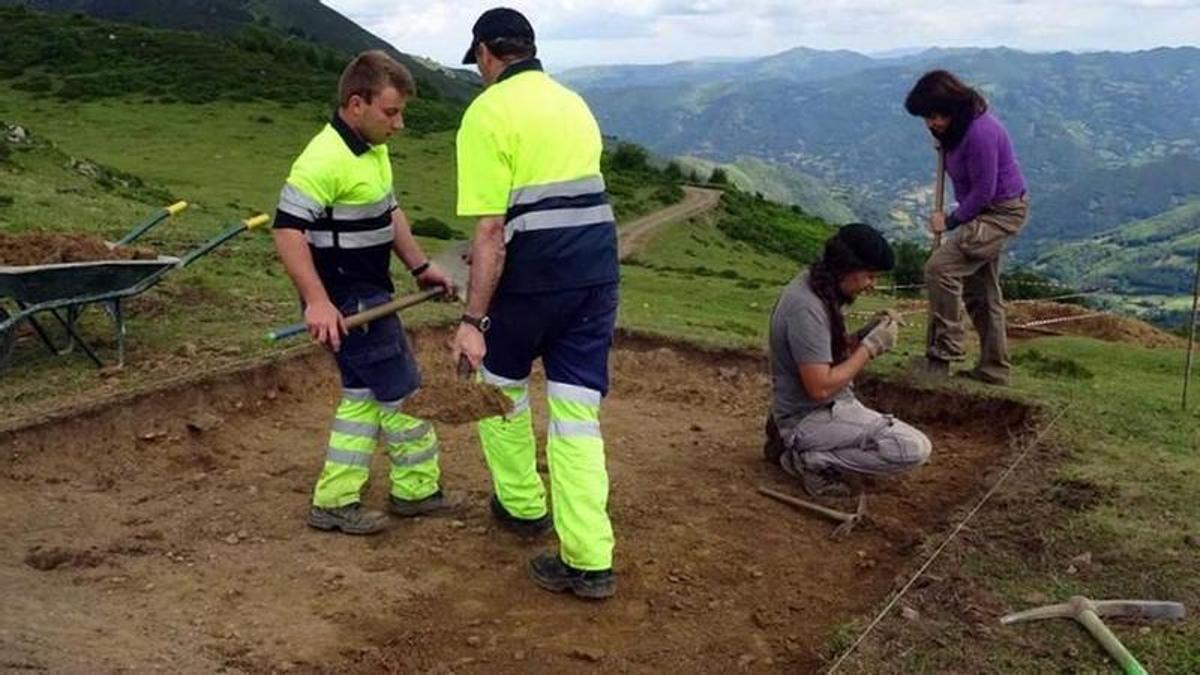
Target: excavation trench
x,y
166,529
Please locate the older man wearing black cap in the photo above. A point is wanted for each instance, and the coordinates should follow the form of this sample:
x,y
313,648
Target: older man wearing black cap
x,y
543,286
817,429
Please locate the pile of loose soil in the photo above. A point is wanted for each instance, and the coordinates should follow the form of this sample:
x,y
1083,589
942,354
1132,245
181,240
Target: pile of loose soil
x,y
1108,327
46,248
449,400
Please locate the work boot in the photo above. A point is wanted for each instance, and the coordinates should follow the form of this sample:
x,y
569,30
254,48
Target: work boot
x,y
351,519
773,445
823,483
980,376
419,507
929,367
551,573
525,527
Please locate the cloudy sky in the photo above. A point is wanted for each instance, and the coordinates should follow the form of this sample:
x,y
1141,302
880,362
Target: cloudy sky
x,y
585,32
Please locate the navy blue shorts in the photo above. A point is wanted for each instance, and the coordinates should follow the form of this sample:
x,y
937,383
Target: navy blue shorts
x,y
377,356
572,332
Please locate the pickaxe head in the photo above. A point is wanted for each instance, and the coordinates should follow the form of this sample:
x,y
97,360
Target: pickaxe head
x,y
1134,609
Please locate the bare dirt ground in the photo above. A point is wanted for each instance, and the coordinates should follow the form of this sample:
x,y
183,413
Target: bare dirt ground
x,y
1108,327
166,532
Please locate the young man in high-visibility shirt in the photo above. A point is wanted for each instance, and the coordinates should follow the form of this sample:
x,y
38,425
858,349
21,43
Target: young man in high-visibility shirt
x,y
336,229
543,284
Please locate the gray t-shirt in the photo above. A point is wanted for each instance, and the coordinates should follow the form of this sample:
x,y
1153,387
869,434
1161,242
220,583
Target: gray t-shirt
x,y
800,333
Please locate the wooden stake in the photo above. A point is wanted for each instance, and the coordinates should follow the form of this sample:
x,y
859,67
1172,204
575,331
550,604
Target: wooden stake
x,y
1187,371
939,190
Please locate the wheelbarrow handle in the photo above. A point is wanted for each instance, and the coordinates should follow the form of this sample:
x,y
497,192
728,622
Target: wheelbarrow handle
x,y
207,247
366,316
151,221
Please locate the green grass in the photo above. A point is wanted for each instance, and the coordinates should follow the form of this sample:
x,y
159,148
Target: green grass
x,y
694,281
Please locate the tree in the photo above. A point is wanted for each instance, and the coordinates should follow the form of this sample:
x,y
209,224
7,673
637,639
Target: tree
x,y
910,263
718,177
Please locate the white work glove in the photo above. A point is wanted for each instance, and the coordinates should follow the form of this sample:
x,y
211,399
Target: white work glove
x,y
882,337
869,326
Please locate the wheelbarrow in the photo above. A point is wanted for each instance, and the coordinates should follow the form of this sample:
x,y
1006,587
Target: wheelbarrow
x,y
63,290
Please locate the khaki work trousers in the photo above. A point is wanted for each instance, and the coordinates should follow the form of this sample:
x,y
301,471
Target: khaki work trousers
x,y
965,270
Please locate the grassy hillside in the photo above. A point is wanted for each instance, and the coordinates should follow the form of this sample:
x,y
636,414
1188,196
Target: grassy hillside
x,y
305,21
76,58
1151,256
779,184
1109,198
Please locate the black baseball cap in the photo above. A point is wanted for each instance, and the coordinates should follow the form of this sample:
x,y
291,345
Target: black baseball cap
x,y
867,247
498,22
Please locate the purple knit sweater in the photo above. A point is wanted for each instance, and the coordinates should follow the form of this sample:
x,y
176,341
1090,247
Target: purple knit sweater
x,y
984,170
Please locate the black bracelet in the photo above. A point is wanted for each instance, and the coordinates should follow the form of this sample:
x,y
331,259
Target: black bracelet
x,y
420,269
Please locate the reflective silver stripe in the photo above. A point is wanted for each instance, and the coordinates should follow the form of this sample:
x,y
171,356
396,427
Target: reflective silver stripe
x,y
394,405
573,428
520,405
415,458
559,218
360,429
336,456
364,211
295,203
376,237
492,378
573,393
407,435
357,395
531,194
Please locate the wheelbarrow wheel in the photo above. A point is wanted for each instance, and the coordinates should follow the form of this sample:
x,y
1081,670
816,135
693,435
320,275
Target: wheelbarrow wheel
x,y
7,340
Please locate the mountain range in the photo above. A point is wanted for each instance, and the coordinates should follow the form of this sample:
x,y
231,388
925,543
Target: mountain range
x,y
1105,139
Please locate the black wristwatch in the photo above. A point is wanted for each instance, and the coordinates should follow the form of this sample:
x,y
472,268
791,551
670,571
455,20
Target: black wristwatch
x,y
420,269
481,323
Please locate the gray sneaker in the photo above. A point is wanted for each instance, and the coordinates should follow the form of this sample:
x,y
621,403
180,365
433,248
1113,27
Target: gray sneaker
x,y
351,519
823,483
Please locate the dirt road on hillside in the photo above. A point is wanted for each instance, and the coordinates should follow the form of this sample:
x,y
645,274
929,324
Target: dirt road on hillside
x,y
167,532
634,236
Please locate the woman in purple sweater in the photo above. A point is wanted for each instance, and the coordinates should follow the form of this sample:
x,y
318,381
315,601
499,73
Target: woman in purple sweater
x,y
992,207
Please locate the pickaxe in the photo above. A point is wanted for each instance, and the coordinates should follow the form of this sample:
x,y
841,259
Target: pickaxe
x,y
1089,613
451,260
846,521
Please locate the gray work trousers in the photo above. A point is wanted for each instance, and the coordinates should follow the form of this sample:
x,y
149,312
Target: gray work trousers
x,y
849,436
965,269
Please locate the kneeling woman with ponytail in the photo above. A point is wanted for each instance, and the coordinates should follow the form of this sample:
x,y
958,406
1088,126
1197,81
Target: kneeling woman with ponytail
x,y
817,430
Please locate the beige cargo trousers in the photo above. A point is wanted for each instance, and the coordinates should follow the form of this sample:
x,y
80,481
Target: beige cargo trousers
x,y
965,270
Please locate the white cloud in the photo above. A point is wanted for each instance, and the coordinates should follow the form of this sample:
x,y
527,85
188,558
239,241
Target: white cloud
x,y
579,32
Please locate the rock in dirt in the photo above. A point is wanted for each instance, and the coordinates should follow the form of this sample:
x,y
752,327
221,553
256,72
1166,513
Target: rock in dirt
x,y
592,654
53,558
474,641
203,422
910,614
1082,560
1192,540
1036,599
